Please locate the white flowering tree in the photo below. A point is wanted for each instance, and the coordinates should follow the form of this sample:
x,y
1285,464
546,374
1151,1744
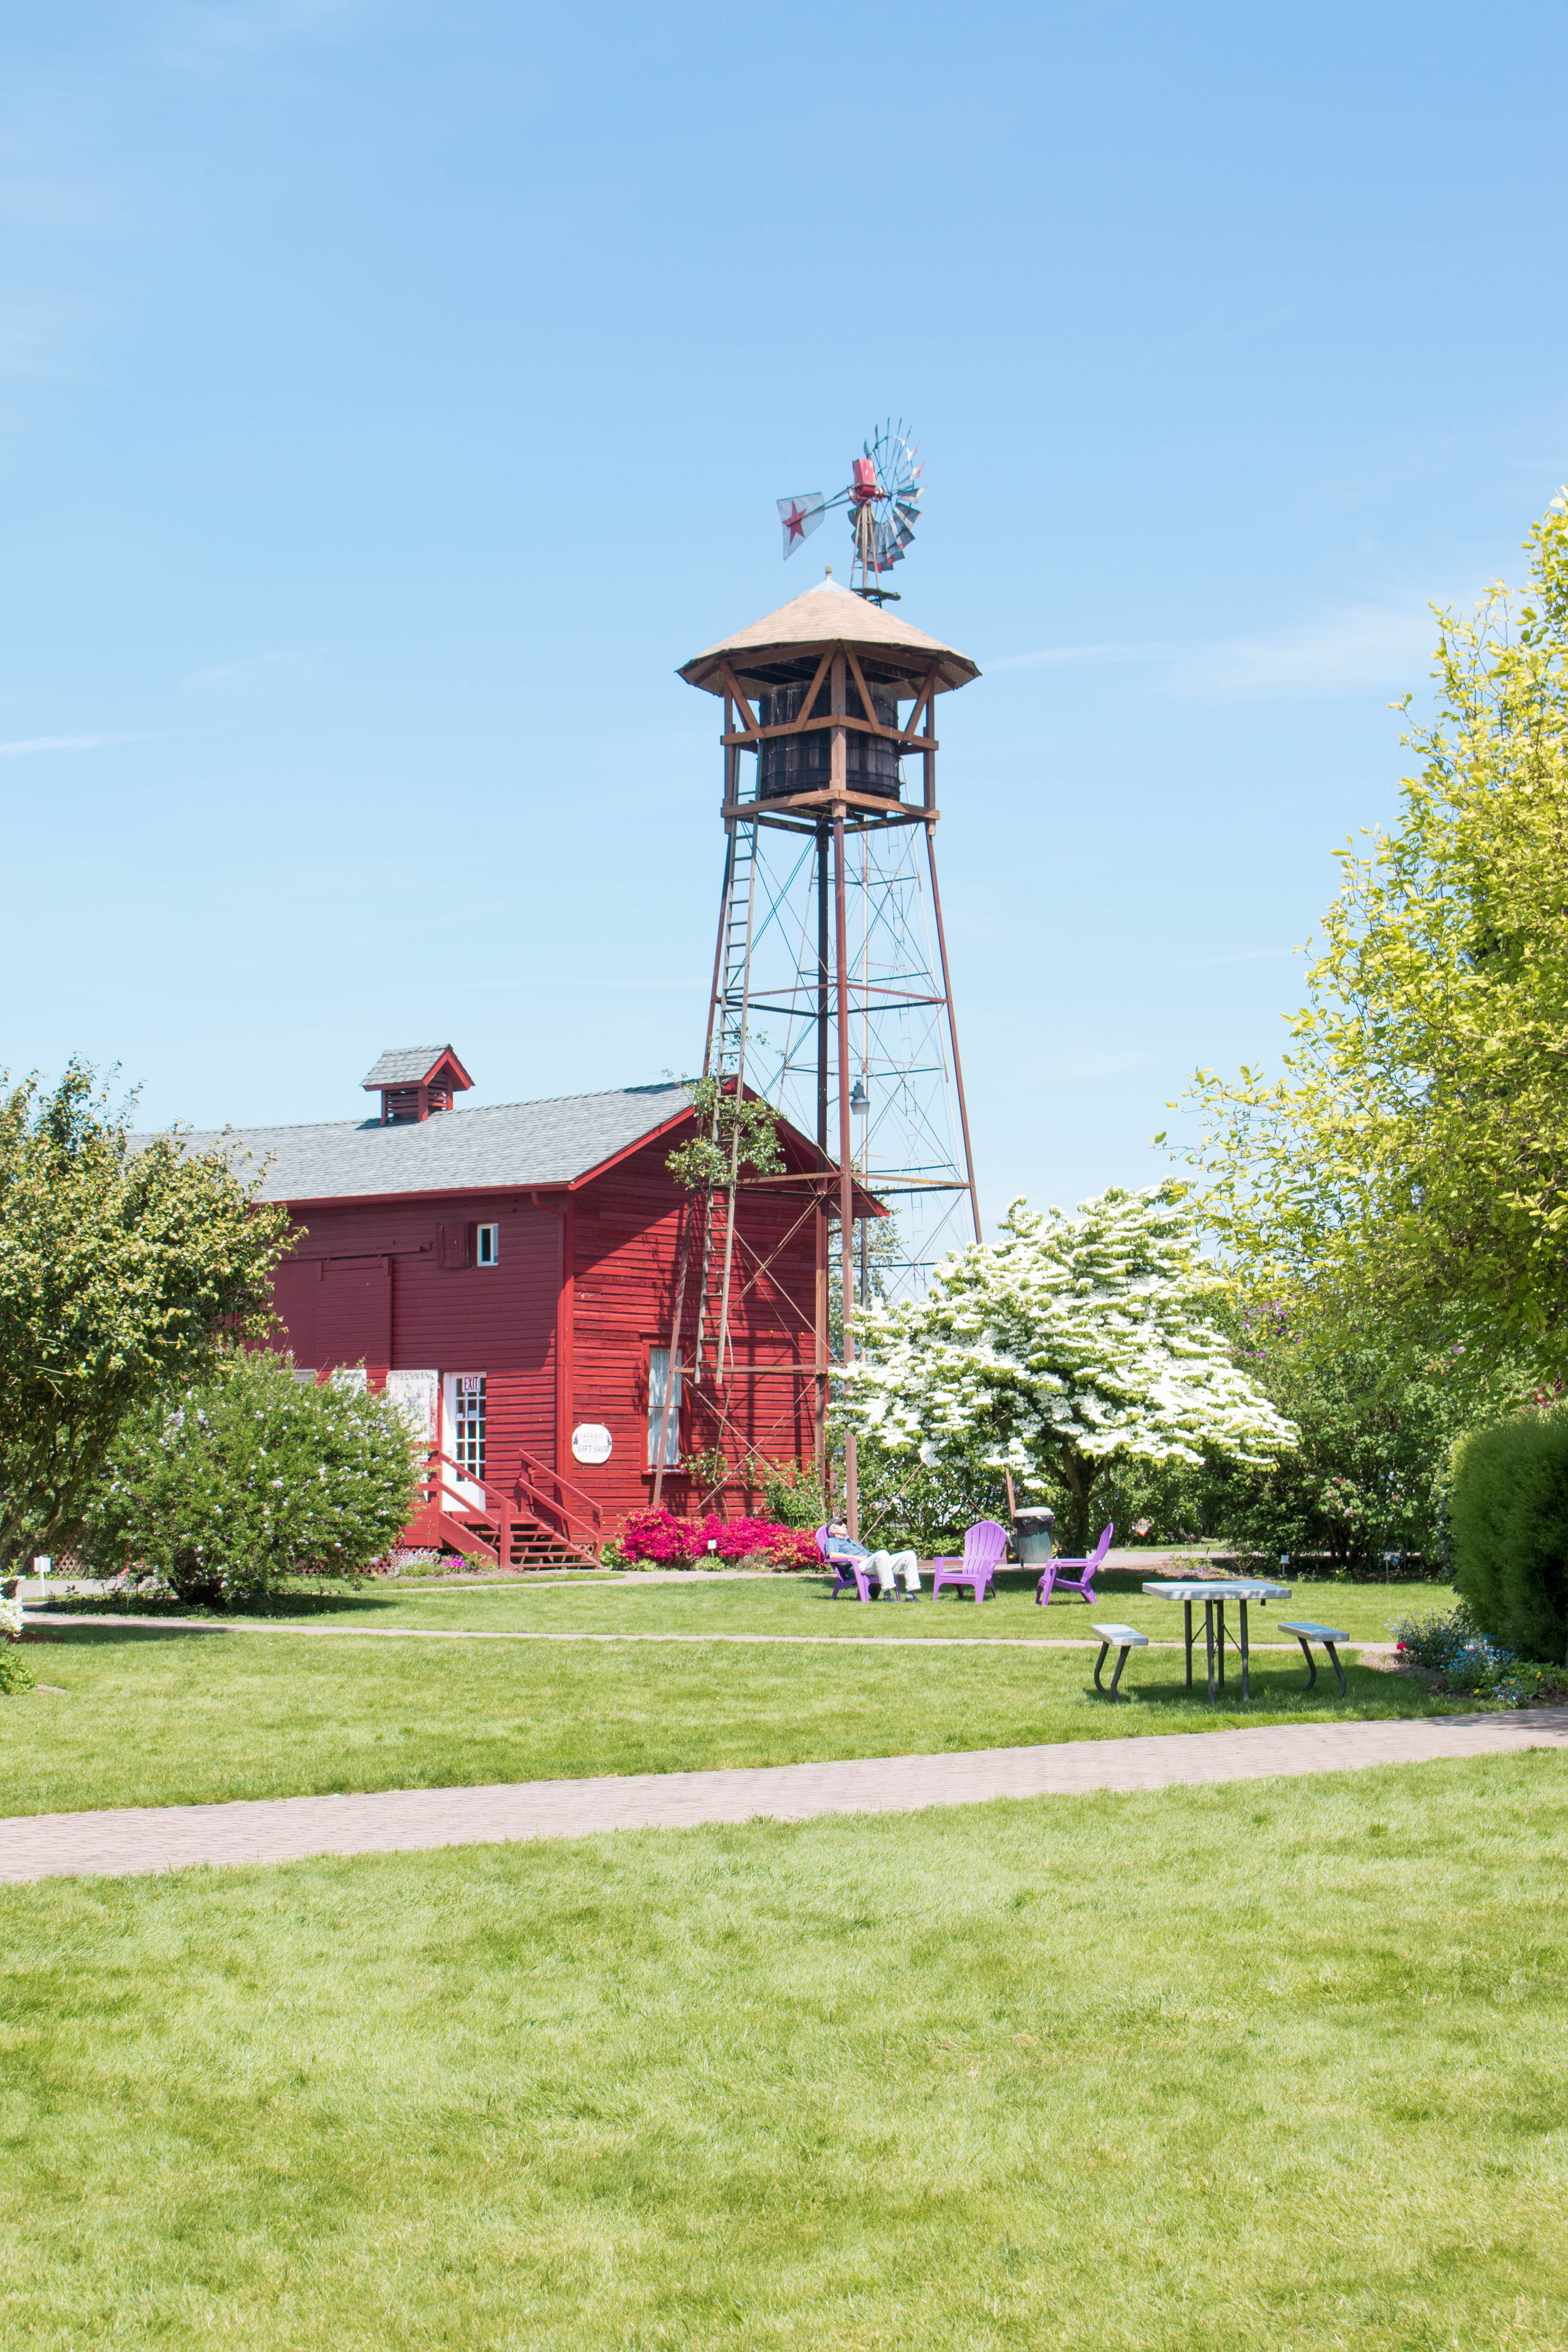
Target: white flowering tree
x,y
1069,1342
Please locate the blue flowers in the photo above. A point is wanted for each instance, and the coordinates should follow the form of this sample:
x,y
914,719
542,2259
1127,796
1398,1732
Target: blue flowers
x,y
1465,1661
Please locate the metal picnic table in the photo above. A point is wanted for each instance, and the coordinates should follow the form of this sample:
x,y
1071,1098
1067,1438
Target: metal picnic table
x,y
1213,1591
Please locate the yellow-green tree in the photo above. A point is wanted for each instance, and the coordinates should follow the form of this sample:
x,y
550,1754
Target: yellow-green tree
x,y
1408,1170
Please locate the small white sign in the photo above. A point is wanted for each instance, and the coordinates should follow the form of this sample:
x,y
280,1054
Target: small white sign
x,y
591,1442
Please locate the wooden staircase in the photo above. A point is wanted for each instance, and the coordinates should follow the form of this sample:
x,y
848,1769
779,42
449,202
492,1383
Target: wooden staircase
x,y
546,1522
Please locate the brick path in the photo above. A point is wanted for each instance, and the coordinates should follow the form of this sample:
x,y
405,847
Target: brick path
x,y
287,1829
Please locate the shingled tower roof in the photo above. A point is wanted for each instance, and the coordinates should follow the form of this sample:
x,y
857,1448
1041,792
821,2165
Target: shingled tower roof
x,y
414,1066
415,1080
786,645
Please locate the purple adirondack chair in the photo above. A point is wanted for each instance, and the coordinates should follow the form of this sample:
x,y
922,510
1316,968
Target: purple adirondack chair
x,y
848,1570
1083,1583
984,1545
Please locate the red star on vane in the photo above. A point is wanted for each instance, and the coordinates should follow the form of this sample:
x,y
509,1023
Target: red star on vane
x,y
794,522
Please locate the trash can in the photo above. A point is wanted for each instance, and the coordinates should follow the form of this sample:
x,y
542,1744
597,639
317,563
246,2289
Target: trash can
x,y
1032,1536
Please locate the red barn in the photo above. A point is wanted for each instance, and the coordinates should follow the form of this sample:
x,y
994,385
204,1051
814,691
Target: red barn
x,y
510,1273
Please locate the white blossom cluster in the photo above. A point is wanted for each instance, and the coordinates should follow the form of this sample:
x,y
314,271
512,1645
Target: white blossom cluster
x,y
1069,1335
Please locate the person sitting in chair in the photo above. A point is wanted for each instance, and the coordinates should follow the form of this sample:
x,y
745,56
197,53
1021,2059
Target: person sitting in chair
x,y
886,1567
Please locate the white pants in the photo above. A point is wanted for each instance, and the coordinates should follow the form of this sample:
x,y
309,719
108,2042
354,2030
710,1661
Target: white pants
x,y
886,1567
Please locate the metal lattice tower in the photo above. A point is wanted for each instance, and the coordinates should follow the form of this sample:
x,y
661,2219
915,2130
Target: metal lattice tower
x,y
907,1130
831,995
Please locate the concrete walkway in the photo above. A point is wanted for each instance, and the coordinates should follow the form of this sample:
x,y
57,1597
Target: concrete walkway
x,y
514,1634
403,1821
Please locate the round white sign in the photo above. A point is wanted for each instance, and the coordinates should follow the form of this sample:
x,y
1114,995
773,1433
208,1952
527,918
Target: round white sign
x,y
591,1442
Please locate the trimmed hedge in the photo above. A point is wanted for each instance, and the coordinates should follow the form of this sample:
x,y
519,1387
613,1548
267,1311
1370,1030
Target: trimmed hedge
x,y
1510,1520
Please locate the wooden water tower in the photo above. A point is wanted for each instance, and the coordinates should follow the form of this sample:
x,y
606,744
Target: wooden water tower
x,y
831,995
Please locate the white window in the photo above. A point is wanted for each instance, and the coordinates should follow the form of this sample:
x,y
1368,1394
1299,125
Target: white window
x,y
658,1381
489,1246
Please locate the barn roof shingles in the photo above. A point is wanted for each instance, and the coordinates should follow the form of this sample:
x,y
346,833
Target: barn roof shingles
x,y
496,1145
403,1066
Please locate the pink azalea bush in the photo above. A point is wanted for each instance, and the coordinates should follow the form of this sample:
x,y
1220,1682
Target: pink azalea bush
x,y
665,1541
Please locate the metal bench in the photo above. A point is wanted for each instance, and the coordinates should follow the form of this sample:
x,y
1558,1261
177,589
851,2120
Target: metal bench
x,y
1328,1635
1121,1637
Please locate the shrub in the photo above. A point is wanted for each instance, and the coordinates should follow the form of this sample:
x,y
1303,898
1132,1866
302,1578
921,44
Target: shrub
x,y
15,1673
1510,1513
403,1560
793,1497
253,1475
665,1541
1463,1659
927,1508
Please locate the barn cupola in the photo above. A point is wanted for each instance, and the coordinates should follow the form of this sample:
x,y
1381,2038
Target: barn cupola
x,y
415,1080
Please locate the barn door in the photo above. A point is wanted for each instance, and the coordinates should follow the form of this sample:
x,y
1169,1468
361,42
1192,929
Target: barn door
x,y
463,1436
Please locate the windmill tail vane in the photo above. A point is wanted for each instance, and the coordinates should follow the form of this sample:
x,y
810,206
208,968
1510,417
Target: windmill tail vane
x,y
800,518
883,497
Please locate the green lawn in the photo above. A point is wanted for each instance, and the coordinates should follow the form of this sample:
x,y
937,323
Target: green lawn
x,y
1282,2066
150,1715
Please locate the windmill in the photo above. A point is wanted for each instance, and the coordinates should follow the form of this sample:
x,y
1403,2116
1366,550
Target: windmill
x,y
883,500
831,994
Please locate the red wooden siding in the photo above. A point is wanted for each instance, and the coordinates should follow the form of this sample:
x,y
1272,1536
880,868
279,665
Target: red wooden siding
x,y
496,1319
626,1226
562,1326
353,1311
366,1285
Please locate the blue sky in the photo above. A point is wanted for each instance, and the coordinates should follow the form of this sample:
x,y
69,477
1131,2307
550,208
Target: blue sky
x,y
392,396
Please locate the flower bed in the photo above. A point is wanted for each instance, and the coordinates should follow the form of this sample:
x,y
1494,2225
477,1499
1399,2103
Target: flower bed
x,y
1453,1655
659,1539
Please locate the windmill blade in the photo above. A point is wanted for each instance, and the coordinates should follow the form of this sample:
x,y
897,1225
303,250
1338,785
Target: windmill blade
x,y
799,518
886,545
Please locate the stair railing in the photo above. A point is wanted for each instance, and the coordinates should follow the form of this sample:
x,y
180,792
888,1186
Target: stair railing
x,y
439,1490
548,1493
569,1514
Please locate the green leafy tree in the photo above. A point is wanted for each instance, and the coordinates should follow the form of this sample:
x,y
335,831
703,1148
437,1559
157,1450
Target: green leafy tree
x,y
252,1473
1408,1170
1067,1344
1368,1480
120,1269
733,1131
